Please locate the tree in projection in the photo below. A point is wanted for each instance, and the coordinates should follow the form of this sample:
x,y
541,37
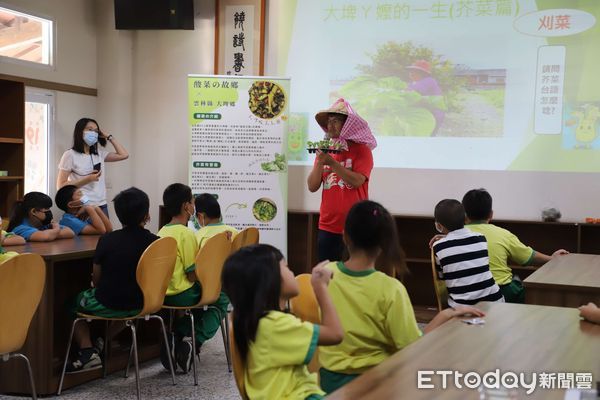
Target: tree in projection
x,y
382,93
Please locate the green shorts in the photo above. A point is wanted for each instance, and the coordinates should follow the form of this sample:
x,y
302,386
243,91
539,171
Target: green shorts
x,y
86,303
513,292
332,381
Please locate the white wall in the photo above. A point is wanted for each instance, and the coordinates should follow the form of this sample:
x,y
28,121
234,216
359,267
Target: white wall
x,y
75,65
115,95
75,27
143,94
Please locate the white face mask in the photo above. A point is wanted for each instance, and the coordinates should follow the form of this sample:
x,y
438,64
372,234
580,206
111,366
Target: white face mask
x,y
90,137
84,200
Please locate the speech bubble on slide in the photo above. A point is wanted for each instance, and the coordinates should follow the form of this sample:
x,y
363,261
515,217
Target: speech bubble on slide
x,y
550,82
554,22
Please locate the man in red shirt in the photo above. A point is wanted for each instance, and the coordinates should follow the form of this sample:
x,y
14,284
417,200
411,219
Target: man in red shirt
x,y
344,176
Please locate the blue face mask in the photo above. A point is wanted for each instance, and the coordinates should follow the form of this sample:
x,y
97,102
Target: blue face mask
x,y
90,137
84,200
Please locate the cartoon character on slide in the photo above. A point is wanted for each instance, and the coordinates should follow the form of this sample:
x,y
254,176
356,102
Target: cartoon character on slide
x,y
587,121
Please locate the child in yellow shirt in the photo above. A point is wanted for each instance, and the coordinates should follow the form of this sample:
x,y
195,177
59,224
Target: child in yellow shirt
x,y
208,215
374,308
9,239
184,290
275,347
5,255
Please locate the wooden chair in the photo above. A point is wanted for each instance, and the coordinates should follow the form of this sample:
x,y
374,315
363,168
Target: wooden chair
x,y
441,292
153,274
238,365
209,265
305,307
22,281
246,237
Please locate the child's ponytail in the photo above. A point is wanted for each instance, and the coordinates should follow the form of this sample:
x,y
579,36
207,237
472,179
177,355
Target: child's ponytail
x,y
17,214
392,260
21,208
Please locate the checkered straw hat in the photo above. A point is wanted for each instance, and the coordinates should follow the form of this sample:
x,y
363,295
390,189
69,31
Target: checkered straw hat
x,y
355,128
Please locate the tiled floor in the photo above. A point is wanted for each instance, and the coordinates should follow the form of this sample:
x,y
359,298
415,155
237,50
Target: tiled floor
x,y
214,381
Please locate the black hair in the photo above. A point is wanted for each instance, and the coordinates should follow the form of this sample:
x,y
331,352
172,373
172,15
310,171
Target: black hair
x,y
132,206
207,203
64,196
78,143
20,209
370,228
174,196
477,204
450,213
252,280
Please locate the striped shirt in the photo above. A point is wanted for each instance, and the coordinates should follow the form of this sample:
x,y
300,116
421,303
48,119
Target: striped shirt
x,y
462,262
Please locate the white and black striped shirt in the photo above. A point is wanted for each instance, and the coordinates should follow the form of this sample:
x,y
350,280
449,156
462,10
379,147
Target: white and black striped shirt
x,y
462,262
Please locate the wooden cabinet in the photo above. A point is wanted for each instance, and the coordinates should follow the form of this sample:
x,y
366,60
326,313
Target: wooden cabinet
x,y
415,232
12,143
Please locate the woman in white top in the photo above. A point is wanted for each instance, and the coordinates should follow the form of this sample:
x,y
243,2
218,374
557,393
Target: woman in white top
x,y
83,164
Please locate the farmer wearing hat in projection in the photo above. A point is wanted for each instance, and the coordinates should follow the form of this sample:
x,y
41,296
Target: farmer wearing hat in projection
x,y
345,175
423,83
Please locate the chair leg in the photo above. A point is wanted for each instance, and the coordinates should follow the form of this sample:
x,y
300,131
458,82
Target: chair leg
x,y
131,325
129,361
189,312
225,334
64,369
164,334
225,322
130,354
31,382
106,346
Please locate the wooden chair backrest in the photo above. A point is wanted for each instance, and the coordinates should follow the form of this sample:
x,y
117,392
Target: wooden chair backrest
x,y
209,267
154,272
246,237
22,281
441,292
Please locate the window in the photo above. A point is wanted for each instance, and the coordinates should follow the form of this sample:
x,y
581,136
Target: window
x,y
25,37
39,107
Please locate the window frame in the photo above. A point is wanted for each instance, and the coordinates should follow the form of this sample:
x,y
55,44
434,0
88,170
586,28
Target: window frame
x,y
52,38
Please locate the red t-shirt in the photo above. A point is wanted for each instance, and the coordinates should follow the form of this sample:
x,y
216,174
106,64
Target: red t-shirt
x,y
338,197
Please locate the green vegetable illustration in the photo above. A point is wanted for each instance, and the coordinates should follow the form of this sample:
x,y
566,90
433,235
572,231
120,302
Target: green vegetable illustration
x,y
264,209
238,205
277,165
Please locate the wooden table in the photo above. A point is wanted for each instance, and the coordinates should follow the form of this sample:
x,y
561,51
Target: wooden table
x,y
566,281
515,337
68,271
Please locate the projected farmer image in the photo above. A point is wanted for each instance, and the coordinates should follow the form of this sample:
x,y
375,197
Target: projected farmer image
x,y
409,90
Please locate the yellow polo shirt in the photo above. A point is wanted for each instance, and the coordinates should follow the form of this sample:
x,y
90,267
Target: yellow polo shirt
x,y
6,255
186,256
210,230
502,246
377,317
277,359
